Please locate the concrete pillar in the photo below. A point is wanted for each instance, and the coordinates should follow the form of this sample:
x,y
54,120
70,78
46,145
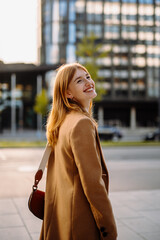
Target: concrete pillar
x,y
100,116
21,115
39,116
13,104
133,118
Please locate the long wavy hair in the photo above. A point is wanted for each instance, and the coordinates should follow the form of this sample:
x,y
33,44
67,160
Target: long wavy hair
x,y
61,105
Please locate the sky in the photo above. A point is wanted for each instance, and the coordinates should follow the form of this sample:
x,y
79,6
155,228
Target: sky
x,y
18,31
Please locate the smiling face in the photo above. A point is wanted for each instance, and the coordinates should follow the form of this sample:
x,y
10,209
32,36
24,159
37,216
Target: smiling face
x,y
82,88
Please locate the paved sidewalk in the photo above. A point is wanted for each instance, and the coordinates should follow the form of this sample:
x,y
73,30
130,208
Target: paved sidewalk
x,y
137,215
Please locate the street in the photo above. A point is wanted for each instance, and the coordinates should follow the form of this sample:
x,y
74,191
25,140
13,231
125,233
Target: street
x,y
130,168
134,192
133,168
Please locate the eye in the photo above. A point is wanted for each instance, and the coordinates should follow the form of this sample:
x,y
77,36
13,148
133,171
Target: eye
x,y
79,80
88,77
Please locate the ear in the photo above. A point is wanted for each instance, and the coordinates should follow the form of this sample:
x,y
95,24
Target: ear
x,y
69,94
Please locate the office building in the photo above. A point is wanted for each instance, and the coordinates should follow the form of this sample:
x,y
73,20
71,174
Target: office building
x,y
19,85
130,29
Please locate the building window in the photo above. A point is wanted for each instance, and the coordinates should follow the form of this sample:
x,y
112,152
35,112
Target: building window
x,y
52,54
138,87
80,9
62,33
62,53
121,87
55,10
47,33
80,31
47,12
111,31
94,11
70,54
72,11
96,29
72,33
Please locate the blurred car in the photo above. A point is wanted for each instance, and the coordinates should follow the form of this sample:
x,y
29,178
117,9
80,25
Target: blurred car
x,y
155,135
109,133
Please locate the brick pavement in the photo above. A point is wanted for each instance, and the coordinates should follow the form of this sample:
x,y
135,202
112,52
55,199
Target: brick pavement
x,y
137,215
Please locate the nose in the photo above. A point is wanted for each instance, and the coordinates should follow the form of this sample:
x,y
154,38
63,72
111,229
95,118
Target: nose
x,y
87,81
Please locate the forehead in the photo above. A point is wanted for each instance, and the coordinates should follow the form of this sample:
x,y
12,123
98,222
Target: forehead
x,y
79,73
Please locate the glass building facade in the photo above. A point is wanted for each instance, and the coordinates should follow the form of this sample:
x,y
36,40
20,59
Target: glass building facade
x,y
130,29
24,94
19,85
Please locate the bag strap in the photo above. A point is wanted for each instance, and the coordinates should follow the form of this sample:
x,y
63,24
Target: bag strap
x,y
39,173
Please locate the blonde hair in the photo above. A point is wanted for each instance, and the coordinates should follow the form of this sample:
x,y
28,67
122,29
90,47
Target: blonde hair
x,y
61,105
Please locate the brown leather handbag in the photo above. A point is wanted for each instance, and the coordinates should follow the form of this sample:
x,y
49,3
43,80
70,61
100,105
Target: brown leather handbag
x,y
36,200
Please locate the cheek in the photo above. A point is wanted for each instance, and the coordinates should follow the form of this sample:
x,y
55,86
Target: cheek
x,y
75,91
78,87
71,88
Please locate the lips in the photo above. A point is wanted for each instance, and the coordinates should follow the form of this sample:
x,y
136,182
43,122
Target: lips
x,y
89,89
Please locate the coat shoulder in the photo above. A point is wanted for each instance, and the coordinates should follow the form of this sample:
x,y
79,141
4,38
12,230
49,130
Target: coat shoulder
x,y
74,119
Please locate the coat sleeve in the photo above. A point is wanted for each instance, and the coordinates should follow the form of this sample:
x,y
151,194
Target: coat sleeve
x,y
83,143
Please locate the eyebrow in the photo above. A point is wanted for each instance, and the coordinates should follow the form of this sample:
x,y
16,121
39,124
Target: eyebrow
x,y
77,78
80,77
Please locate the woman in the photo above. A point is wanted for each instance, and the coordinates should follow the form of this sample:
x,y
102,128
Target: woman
x,y
76,201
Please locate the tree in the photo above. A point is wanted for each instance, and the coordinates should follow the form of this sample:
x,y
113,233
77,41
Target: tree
x,y
41,103
40,107
88,52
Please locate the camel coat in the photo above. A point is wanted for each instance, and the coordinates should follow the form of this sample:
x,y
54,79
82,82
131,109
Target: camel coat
x,y
77,206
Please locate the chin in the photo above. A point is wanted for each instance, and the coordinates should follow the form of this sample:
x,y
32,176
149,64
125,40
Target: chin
x,y
94,95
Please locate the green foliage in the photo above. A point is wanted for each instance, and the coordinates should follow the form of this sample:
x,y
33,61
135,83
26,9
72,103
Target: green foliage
x,y
89,51
41,103
25,144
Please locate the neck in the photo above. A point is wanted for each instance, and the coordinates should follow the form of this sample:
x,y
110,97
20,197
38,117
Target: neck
x,y
86,107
